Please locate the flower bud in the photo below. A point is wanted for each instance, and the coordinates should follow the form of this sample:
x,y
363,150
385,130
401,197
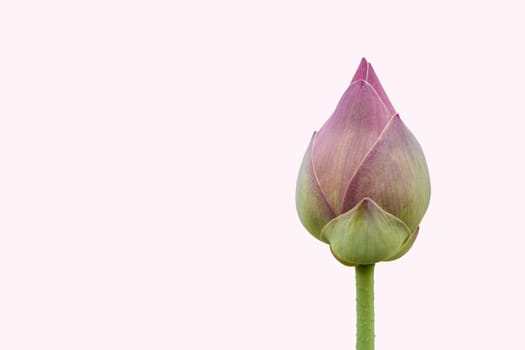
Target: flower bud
x,y
363,186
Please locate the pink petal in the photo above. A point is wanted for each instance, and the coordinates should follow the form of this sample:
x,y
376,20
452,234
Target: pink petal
x,y
345,139
394,174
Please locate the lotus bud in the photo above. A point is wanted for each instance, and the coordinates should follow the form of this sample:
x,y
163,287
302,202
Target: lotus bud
x,y
363,186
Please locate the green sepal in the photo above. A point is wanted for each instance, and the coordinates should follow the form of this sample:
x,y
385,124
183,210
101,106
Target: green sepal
x,y
365,235
312,207
406,245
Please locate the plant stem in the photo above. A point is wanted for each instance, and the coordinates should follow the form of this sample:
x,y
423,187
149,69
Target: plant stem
x,y
364,282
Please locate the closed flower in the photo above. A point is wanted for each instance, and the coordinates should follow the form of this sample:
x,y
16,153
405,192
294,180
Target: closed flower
x,y
363,185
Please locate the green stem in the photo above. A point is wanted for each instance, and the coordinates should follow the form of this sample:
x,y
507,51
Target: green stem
x,y
364,282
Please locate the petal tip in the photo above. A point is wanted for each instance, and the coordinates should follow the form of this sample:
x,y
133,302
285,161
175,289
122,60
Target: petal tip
x,y
362,71
367,203
371,77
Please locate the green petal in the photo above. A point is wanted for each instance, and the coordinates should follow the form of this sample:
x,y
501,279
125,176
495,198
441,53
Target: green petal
x,y
365,235
406,246
312,206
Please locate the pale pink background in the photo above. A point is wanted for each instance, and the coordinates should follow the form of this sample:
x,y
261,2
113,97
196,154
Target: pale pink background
x,y
148,156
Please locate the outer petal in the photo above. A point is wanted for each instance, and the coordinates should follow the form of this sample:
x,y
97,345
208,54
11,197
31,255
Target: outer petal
x,y
346,138
312,207
366,72
365,235
406,246
394,173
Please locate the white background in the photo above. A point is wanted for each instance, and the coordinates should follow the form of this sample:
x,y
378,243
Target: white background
x,y
148,158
